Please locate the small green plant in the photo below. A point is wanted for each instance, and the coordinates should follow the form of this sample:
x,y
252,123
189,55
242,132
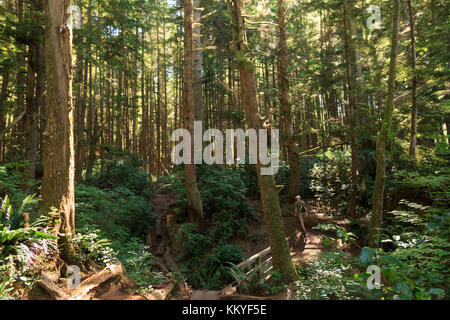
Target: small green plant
x,y
341,234
94,247
248,282
138,262
21,247
5,289
275,284
330,277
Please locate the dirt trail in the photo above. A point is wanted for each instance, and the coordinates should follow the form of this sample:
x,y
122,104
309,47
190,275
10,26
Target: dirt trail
x,y
302,248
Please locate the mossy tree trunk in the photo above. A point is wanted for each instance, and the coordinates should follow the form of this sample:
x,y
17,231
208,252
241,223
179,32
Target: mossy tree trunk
x,y
378,192
198,61
271,207
192,193
351,106
414,108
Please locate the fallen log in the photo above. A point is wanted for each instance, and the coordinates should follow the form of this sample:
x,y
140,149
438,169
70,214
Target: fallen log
x,y
90,287
51,289
161,294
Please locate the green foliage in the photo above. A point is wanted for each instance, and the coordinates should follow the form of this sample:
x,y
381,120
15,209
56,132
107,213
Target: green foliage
x,y
251,283
225,206
138,261
94,247
426,185
13,180
194,243
340,233
21,247
206,266
399,280
224,202
121,169
227,213
13,219
330,277
5,288
330,180
115,214
118,212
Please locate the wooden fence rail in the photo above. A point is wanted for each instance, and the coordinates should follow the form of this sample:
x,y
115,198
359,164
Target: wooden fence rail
x,y
258,261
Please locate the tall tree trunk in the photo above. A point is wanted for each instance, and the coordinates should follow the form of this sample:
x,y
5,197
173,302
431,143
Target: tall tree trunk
x,y
293,158
20,111
3,108
351,104
378,192
58,154
198,97
192,193
35,90
271,207
30,123
414,107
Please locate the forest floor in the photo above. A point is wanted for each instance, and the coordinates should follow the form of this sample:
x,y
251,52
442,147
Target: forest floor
x,y
302,249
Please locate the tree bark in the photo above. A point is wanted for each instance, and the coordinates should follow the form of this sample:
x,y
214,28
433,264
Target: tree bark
x,y
192,192
351,104
198,96
378,192
58,155
414,107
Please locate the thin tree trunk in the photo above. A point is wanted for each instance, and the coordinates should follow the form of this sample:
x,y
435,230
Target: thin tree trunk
x,y
414,107
378,192
293,158
20,80
192,193
198,97
347,43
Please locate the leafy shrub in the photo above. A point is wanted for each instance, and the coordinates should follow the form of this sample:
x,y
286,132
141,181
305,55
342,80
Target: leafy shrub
x,y
399,279
224,202
138,261
218,262
5,289
206,266
328,277
118,212
121,169
94,247
225,206
21,247
13,180
422,185
194,243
